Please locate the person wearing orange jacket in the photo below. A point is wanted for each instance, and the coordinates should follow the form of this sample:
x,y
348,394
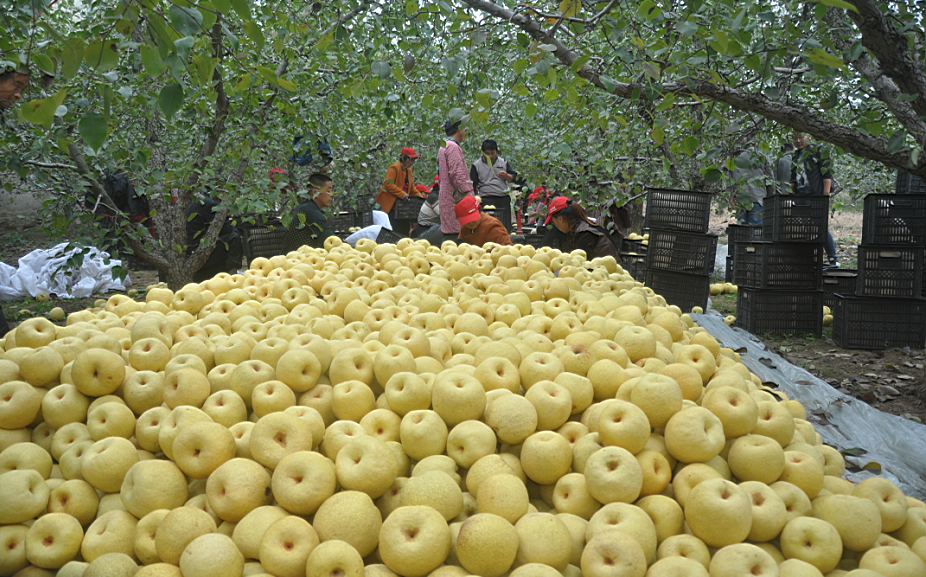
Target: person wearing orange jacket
x,y
399,186
477,227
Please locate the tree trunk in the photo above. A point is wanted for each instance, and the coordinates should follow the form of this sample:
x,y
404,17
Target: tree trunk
x,y
636,217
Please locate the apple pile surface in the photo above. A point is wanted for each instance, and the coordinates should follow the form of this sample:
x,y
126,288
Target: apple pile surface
x,y
416,410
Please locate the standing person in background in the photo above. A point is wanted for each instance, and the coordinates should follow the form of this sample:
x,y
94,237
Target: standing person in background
x,y
783,170
753,177
454,179
491,175
398,186
812,173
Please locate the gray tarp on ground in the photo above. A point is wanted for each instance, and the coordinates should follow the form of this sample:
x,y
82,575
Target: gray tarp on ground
x,y
897,444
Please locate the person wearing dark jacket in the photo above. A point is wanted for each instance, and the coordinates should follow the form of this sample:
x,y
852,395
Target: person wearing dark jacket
x,y
477,227
574,230
309,225
226,256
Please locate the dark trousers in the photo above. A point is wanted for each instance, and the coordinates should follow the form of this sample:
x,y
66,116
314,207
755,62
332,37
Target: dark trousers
x,y
4,326
225,256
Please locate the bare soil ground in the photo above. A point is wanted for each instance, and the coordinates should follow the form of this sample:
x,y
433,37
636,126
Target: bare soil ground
x,y
891,380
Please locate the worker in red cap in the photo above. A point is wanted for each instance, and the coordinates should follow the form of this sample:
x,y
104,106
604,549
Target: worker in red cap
x,y
477,227
398,186
574,230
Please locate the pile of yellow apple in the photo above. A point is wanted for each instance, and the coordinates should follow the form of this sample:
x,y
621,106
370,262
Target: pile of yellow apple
x,y
413,410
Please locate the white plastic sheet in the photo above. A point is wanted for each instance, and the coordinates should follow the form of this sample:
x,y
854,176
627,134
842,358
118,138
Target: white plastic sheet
x,y
720,260
46,271
370,232
897,444
380,218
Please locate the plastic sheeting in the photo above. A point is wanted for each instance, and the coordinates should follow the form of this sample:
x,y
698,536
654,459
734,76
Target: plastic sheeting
x,y
47,271
897,444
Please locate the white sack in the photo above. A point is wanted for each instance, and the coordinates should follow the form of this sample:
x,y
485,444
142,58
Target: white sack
x,y
46,271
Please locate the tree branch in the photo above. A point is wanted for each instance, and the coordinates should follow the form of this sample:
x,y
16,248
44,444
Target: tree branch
x,y
54,165
795,116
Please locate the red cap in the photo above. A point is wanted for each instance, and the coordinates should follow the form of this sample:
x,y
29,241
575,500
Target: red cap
x,y
275,171
409,152
422,188
556,205
467,210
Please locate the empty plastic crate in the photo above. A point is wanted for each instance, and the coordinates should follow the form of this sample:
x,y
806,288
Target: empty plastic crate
x,y
683,290
889,271
769,265
907,183
635,264
632,246
265,241
409,208
687,252
743,233
386,236
761,311
686,210
841,281
873,323
346,220
894,219
795,218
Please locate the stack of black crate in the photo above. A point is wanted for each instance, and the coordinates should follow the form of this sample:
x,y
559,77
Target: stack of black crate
x,y
739,233
633,258
888,309
680,254
779,277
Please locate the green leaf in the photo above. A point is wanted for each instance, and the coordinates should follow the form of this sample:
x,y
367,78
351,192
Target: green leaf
x,y
254,33
651,70
520,65
411,7
609,84
690,145
42,112
686,29
154,66
223,6
895,142
856,50
102,55
93,129
188,21
171,99
44,63
551,94
570,8
821,56
71,56
381,69
205,66
712,174
657,134
242,8
648,10
838,4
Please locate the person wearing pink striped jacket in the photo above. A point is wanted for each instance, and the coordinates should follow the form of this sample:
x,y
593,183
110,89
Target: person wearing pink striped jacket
x,y
454,178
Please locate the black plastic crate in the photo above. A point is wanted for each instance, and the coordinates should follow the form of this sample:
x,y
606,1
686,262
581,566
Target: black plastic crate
x,y
636,246
344,221
409,208
761,311
634,264
840,281
894,219
728,270
874,323
534,240
686,291
386,236
743,233
686,210
907,183
770,265
688,252
265,241
795,218
498,207
890,271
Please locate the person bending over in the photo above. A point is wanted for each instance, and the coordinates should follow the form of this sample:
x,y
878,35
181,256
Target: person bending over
x,y
477,227
573,229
